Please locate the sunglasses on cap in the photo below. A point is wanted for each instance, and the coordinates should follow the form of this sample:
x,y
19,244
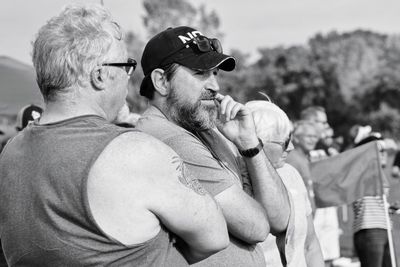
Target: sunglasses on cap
x,y
205,44
200,42
129,66
284,144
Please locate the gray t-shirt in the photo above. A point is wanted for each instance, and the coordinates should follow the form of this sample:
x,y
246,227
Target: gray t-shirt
x,y
214,173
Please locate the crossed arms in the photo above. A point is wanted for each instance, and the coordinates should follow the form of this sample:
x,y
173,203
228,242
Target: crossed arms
x,y
139,183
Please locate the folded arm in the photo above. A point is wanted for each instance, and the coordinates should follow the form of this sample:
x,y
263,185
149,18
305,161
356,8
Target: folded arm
x,y
138,183
246,218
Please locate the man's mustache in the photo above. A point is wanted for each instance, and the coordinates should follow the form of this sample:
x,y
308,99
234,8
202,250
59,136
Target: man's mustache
x,y
208,95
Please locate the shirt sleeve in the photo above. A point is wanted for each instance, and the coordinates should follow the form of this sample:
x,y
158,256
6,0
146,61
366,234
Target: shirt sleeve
x,y
213,175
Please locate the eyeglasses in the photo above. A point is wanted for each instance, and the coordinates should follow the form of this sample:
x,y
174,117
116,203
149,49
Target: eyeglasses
x,y
202,43
284,144
129,66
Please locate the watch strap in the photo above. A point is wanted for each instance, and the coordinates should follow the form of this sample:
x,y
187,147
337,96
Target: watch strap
x,y
251,152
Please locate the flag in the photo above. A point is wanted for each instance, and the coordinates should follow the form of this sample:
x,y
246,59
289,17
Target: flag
x,y
348,176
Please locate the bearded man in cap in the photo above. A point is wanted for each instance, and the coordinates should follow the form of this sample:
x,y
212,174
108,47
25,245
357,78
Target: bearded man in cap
x,y
180,67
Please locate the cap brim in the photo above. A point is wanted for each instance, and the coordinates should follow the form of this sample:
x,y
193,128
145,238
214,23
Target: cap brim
x,y
208,61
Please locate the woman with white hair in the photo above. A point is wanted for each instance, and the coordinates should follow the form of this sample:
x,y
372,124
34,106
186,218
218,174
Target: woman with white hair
x,y
274,129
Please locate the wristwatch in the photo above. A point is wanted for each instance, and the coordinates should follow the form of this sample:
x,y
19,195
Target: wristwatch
x,y
251,152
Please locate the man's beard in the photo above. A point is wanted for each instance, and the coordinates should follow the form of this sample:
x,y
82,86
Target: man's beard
x,y
192,117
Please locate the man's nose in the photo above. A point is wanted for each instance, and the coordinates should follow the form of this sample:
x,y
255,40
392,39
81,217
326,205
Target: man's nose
x,y
212,83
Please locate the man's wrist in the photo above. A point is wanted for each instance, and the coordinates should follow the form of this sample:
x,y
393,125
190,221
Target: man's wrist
x,y
244,144
252,151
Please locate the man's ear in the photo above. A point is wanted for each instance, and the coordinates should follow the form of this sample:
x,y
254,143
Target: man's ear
x,y
160,82
97,78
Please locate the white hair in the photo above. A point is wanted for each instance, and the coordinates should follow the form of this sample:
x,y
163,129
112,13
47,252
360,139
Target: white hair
x,y
69,46
271,122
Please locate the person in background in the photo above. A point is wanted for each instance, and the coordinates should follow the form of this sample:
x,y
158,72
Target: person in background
x,y
305,138
326,220
77,190
27,115
181,66
274,129
370,227
317,115
326,145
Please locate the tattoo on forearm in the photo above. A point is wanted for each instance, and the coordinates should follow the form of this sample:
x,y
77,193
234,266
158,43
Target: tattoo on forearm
x,y
186,178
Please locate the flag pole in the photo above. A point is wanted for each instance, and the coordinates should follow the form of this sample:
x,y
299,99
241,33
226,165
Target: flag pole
x,y
389,230
386,208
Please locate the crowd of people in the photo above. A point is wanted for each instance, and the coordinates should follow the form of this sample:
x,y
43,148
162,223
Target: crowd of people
x,y
198,179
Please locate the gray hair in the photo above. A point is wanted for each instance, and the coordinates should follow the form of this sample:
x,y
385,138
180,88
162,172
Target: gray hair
x,y
271,122
311,112
300,126
69,46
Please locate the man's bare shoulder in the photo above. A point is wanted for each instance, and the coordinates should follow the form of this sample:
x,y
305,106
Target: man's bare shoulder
x,y
135,153
138,146
125,181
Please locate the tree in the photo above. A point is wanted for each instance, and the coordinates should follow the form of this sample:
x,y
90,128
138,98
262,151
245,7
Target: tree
x,y
167,13
173,13
354,75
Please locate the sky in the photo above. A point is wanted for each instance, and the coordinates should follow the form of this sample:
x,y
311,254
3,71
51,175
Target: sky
x,y
247,25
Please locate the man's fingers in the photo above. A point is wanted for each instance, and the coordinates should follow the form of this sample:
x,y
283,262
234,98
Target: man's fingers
x,y
228,108
219,97
235,110
224,103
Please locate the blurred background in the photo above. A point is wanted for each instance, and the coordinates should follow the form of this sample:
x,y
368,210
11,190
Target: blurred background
x,y
343,55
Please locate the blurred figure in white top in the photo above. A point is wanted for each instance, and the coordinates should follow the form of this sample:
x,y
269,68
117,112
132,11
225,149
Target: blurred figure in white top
x,y
302,247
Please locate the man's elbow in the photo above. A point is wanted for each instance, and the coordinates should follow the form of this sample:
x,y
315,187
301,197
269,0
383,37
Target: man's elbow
x,y
212,247
279,229
262,234
258,233
219,243
279,224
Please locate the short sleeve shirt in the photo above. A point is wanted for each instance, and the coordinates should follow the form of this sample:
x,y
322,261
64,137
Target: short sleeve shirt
x,y
215,173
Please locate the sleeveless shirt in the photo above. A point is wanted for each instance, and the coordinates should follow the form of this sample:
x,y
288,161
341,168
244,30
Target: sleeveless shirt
x,y
45,218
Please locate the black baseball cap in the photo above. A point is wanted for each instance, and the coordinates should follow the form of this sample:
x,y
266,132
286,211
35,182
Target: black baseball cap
x,y
173,45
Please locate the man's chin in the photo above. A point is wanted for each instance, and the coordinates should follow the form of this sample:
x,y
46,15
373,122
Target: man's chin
x,y
204,121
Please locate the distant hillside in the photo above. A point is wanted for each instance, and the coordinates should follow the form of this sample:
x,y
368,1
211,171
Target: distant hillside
x,y
17,86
